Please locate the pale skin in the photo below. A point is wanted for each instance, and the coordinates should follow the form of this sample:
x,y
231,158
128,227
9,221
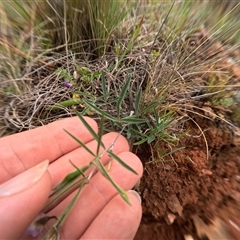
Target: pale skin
x,y
100,213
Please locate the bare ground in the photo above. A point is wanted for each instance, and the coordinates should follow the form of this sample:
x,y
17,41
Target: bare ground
x,y
192,193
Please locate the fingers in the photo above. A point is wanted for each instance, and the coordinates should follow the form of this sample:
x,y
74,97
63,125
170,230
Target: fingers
x,y
27,149
96,195
24,150
117,220
21,199
81,157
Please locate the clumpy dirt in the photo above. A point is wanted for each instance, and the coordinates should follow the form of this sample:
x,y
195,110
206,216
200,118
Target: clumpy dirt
x,y
193,195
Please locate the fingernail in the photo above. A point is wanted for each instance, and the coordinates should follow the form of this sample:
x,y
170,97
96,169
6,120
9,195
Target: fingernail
x,y
23,180
136,195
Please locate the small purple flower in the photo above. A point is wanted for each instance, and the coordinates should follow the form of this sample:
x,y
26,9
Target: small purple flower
x,y
35,228
38,224
67,84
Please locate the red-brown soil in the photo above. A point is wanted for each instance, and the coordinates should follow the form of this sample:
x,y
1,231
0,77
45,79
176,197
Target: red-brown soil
x,y
192,194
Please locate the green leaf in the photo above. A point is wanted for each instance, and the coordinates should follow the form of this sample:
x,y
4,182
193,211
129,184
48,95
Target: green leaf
x,y
96,75
80,170
85,110
121,191
86,79
103,84
83,71
122,96
137,131
121,162
166,154
85,123
61,193
66,103
70,178
138,100
64,73
149,106
150,139
100,134
70,206
133,120
106,115
140,142
80,143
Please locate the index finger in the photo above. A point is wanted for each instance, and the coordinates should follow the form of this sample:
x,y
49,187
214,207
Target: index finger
x,y
24,150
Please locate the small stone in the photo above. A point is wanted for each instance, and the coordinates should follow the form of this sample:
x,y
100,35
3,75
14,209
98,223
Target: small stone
x,y
170,218
207,172
188,237
238,178
235,195
174,205
209,112
145,193
167,167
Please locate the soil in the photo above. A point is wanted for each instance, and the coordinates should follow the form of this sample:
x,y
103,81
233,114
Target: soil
x,y
194,195
195,192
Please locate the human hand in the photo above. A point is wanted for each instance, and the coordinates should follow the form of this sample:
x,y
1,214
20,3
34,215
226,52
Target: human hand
x,y
27,180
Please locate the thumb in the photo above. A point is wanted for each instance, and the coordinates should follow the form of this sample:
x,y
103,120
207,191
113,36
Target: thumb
x,y
22,198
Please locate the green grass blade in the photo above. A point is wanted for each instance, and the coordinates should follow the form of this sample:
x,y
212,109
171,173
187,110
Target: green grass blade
x,y
114,156
21,9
